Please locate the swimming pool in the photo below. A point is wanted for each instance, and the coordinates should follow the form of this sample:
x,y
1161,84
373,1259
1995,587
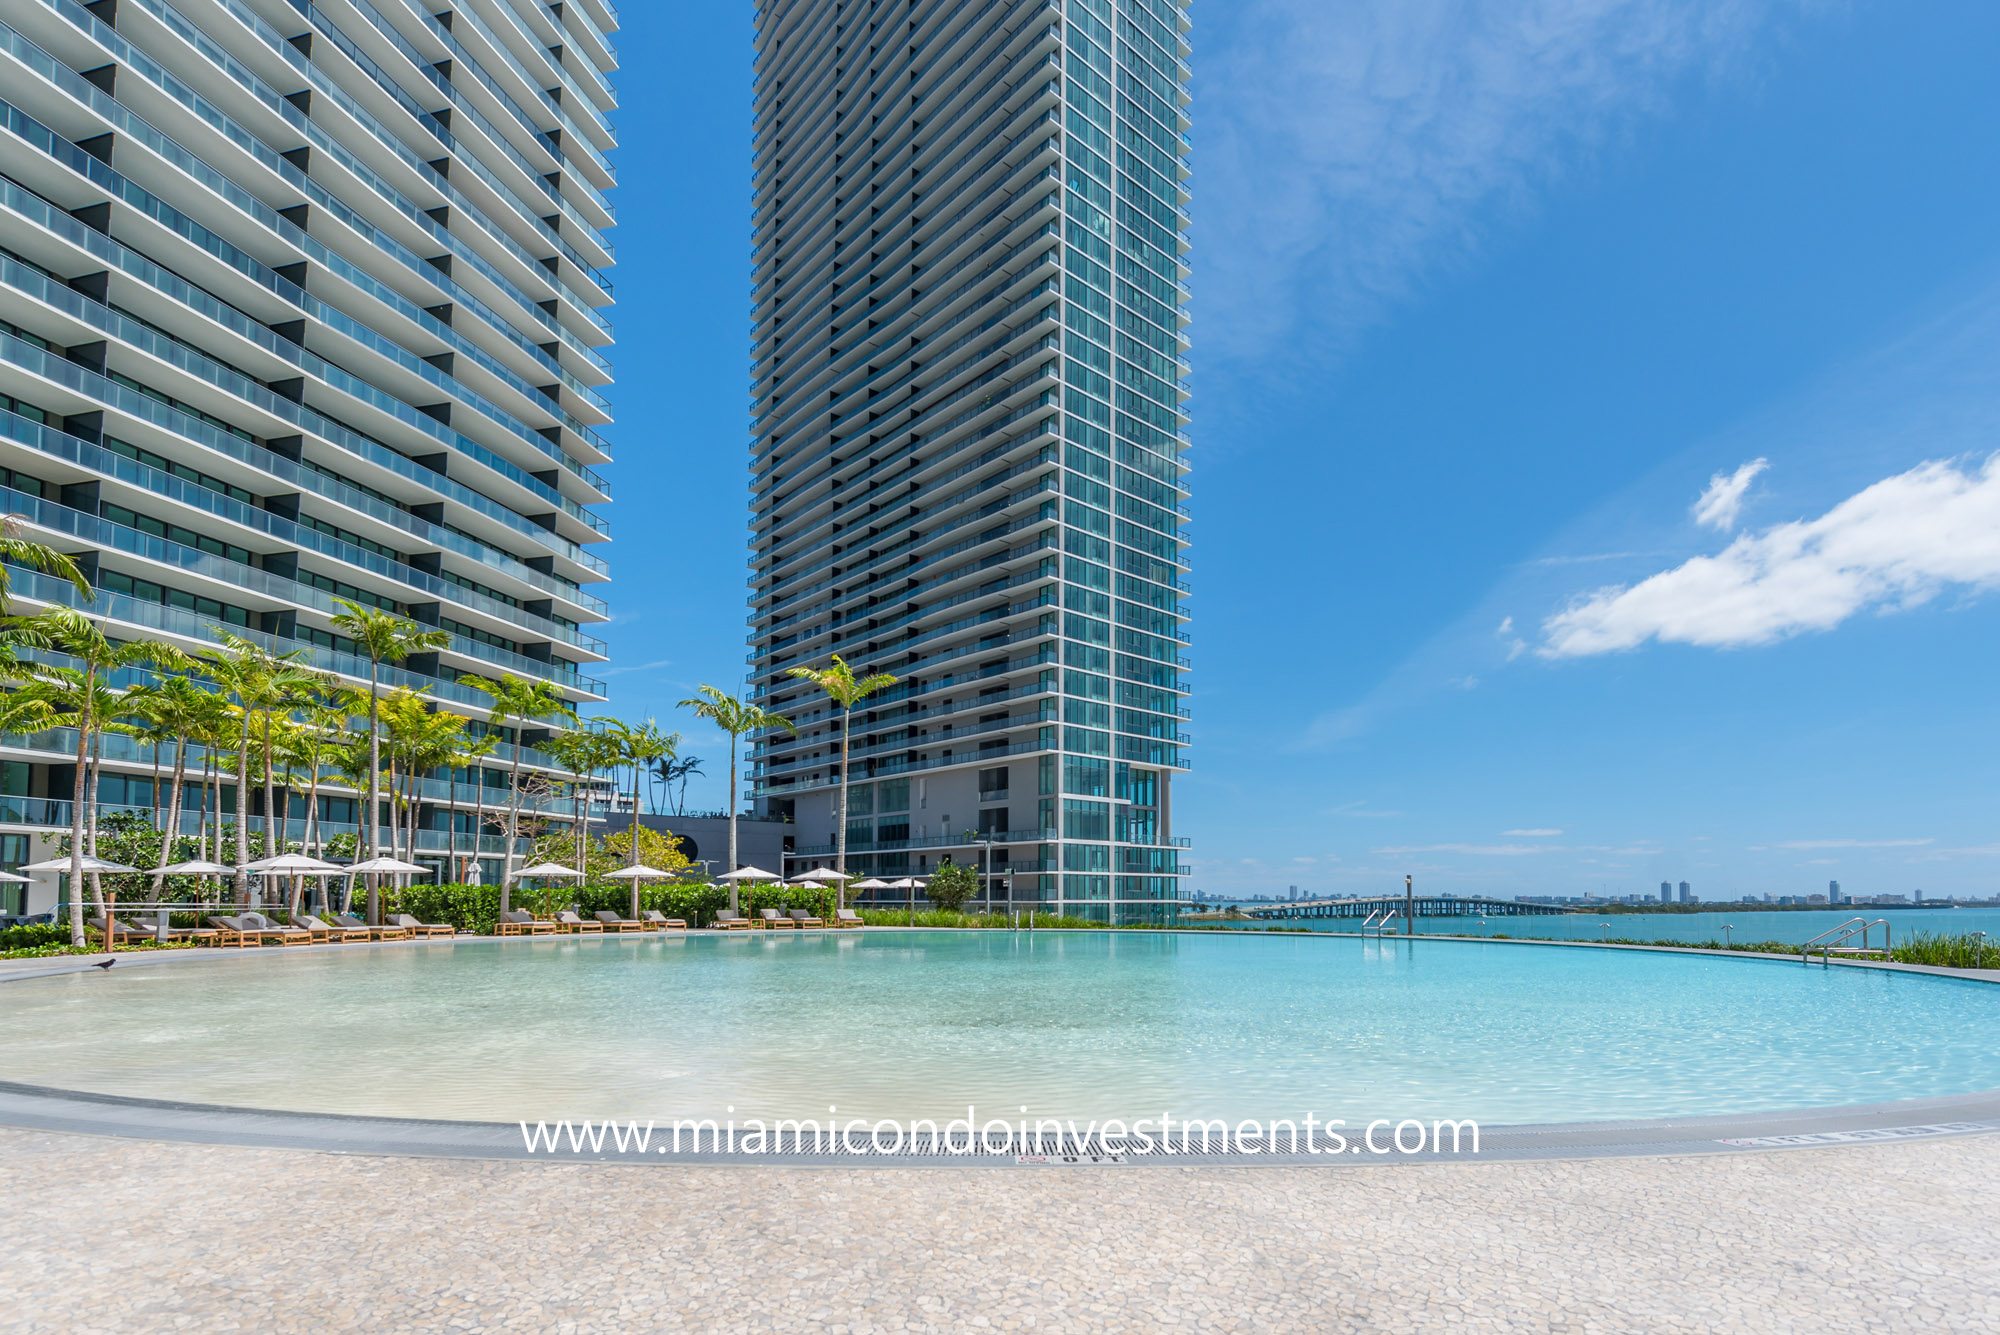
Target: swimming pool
x,y
921,1024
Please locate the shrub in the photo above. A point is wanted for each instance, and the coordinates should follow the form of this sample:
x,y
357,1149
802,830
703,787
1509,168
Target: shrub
x,y
951,885
29,935
470,908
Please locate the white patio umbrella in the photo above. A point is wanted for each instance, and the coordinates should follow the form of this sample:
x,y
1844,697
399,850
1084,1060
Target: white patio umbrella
x,y
393,866
544,870
827,874
196,867
911,884
749,874
290,864
871,884
11,877
79,865
805,883
636,873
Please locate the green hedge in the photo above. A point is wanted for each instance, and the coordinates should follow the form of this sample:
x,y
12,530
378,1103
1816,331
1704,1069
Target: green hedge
x,y
476,908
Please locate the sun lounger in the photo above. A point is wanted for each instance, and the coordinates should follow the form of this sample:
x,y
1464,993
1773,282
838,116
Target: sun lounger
x,y
120,933
567,921
386,932
517,922
230,931
773,918
848,918
284,933
657,921
423,929
731,920
613,923
801,918
333,931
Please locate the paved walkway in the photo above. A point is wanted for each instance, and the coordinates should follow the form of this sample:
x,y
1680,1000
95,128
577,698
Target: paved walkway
x,y
110,1234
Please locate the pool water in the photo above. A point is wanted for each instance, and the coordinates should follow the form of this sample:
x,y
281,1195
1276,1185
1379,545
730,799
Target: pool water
x,y
921,1024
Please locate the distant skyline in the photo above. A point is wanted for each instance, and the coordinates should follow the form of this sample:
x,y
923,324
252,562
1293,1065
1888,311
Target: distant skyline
x,y
1595,430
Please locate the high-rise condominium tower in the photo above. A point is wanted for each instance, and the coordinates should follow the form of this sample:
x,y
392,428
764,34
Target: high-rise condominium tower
x,y
970,371
302,302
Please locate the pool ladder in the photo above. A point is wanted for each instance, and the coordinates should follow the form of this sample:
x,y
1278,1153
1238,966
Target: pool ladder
x,y
1833,941
1371,927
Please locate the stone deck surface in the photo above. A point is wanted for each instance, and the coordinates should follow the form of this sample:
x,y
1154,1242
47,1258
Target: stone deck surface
x,y
109,1234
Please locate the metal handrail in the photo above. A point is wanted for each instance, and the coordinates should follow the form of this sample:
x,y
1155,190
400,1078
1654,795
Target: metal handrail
x,y
1833,938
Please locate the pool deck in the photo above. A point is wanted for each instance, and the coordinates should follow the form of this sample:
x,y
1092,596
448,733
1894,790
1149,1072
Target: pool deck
x,y
107,1234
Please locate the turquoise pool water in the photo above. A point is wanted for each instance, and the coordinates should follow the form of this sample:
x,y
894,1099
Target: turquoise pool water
x,y
909,1024
1795,926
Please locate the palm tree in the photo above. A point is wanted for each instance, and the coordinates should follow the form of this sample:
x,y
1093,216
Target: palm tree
x,y
20,551
382,637
846,690
260,680
583,753
673,773
75,691
172,710
639,745
735,717
517,700
472,753
308,746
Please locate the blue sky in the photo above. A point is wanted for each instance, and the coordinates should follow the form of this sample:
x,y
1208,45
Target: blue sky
x,y
1596,427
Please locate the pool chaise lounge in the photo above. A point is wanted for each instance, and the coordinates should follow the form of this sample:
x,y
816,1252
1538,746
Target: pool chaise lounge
x,y
567,921
120,933
613,923
848,918
801,918
385,932
254,929
426,930
148,932
772,918
657,921
729,920
333,931
517,922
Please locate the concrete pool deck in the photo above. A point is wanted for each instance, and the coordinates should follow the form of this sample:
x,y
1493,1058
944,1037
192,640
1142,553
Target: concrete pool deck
x,y
104,1233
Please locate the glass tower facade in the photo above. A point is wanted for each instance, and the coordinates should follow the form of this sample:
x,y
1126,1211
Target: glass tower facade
x,y
305,301
969,389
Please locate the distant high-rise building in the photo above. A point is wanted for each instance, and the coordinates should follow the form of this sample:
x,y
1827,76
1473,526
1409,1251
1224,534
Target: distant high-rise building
x,y
1920,896
1833,892
1666,891
969,436
1687,892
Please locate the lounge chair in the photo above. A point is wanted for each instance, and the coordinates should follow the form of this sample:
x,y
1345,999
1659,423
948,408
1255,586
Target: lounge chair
x,y
284,933
773,918
801,918
732,921
333,931
120,933
231,931
848,918
423,929
613,923
518,922
385,932
567,921
657,921
204,936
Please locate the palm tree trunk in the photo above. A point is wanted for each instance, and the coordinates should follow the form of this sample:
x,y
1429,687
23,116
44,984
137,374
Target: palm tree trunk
x,y
634,835
274,827
479,827
840,813
374,769
243,812
77,791
732,819
96,804
172,828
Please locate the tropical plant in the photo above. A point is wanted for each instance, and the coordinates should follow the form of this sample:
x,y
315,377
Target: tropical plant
x,y
640,745
846,690
20,551
583,752
950,886
382,637
517,700
171,712
261,682
673,773
737,718
77,692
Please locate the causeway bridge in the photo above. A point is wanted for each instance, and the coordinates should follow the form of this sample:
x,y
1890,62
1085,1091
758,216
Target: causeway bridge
x,y
1426,906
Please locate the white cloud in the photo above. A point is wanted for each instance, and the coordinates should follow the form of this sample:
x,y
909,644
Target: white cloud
x,y
1896,544
1358,144
1722,502
1531,834
1809,845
